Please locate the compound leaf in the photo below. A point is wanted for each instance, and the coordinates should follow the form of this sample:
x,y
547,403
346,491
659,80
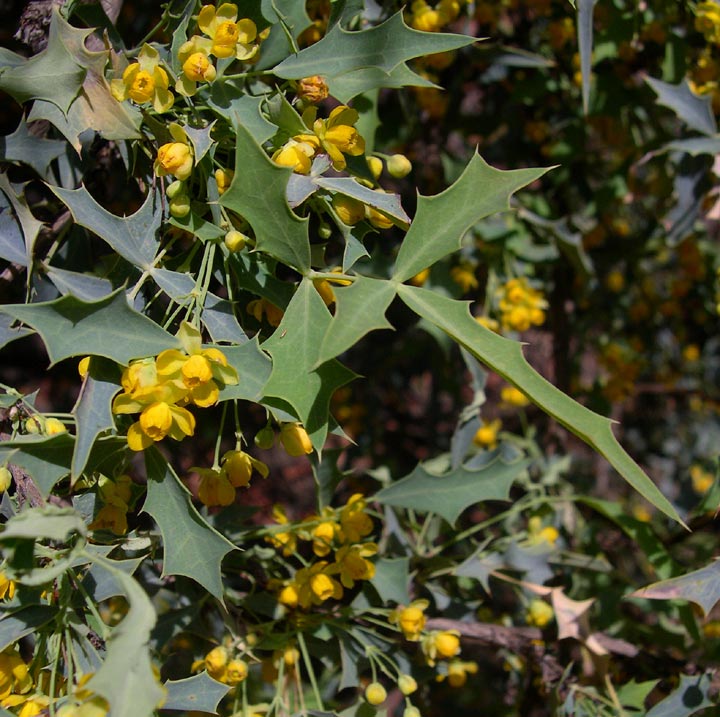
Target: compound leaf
x,y
108,327
505,357
441,220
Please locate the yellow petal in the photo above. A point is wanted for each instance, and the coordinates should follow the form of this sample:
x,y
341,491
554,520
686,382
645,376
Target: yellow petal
x,y
137,440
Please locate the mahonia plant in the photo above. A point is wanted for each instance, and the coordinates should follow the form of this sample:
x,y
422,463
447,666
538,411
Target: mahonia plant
x,y
266,237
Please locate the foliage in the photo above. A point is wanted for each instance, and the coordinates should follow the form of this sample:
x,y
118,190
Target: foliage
x,y
211,324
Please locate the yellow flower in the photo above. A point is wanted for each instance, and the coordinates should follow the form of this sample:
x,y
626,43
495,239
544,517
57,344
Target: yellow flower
x,y
540,533
112,518
285,540
355,523
521,305
144,81
398,166
377,218
35,705
702,480
295,440
375,166
350,210
262,307
6,479
464,276
457,672
487,435
425,18
314,586
323,536
216,662
514,397
53,426
375,693
539,613
297,154
83,366
407,684
351,563
707,20
7,587
237,671
337,136
175,158
215,488
14,675
312,89
230,37
196,65
439,645
224,178
238,467
411,619
289,596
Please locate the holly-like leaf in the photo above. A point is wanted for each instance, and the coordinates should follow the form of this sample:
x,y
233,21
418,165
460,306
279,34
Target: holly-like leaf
x,y
441,220
384,46
689,697
52,75
108,327
45,458
7,332
50,522
392,579
700,586
199,693
287,19
366,79
360,308
10,246
585,45
385,202
695,111
229,99
37,152
192,547
133,237
253,367
257,193
92,412
448,495
126,678
296,376
25,621
505,357
83,286
200,140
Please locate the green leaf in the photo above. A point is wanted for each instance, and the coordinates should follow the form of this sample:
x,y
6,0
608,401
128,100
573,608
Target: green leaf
x,y
585,45
191,546
257,193
286,18
692,109
198,227
448,495
349,85
700,586
199,693
384,46
52,75
253,367
360,308
229,99
45,458
392,579
133,237
694,146
92,410
29,225
126,678
200,140
83,286
23,622
51,522
108,327
689,697
8,334
296,377
505,357
384,201
102,584
632,694
479,567
37,152
441,220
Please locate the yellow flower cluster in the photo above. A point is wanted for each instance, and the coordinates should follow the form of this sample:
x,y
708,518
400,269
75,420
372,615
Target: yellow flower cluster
x,y
707,20
175,158
431,19
159,388
218,485
539,533
144,81
116,496
539,613
336,530
521,306
222,667
336,136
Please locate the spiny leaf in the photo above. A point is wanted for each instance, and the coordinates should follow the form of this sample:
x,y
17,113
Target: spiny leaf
x,y
448,495
29,225
108,327
384,46
360,308
366,79
505,358
38,152
125,678
52,75
83,286
133,237
45,458
192,547
257,193
253,367
386,202
391,580
585,44
199,693
294,348
692,109
441,220
92,410
231,100
700,586
51,522
689,697
23,622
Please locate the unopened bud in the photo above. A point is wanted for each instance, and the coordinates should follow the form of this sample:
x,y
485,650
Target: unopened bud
x,y
375,693
265,438
235,241
398,166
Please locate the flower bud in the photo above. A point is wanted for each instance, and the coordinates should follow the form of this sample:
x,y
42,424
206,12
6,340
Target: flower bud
x,y
407,684
398,166
174,158
411,711
265,438
174,188
324,231
350,211
375,166
313,89
375,693
295,440
237,671
5,479
53,426
235,240
180,206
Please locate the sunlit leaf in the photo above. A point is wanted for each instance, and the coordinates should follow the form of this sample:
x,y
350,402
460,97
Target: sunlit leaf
x,y
45,458
505,357
449,494
191,546
253,367
441,220
49,522
392,580
83,286
197,693
26,621
695,111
